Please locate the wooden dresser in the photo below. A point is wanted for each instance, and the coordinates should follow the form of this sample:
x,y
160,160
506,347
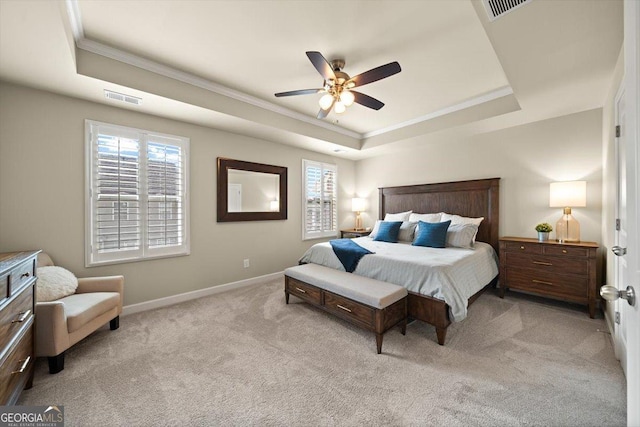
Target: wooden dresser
x,y
17,331
564,271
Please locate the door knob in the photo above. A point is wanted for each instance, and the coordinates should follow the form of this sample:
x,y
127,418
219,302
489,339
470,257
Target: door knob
x,y
611,293
619,251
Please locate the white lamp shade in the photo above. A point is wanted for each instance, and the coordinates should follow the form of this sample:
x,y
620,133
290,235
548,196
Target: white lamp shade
x,y
357,204
568,194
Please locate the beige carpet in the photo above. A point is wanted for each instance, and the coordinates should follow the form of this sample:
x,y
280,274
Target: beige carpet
x,y
246,358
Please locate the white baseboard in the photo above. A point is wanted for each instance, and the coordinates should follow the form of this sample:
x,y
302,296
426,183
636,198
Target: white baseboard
x,y
187,296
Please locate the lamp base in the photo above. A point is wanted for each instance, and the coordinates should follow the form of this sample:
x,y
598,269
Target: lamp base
x,y
567,228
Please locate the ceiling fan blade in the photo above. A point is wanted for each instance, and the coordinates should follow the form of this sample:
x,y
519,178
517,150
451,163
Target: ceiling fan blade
x,y
324,113
374,74
299,92
322,65
367,100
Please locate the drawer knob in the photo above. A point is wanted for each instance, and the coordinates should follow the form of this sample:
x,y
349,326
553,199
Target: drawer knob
x,y
301,290
564,251
522,247
23,316
27,274
25,363
344,308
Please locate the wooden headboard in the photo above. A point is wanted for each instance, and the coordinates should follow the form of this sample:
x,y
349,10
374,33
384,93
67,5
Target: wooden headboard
x,y
480,197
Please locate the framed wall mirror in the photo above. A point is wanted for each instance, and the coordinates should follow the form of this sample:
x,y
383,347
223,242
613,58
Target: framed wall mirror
x,y
251,191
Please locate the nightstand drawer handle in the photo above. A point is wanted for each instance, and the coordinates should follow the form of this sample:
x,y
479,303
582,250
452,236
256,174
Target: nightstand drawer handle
x,y
344,308
541,263
27,274
25,363
23,317
301,290
522,247
541,282
564,251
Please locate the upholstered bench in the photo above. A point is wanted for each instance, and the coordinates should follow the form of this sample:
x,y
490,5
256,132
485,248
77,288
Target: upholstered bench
x,y
368,303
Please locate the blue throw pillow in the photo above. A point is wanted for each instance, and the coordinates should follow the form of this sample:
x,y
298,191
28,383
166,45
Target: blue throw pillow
x,y
388,231
431,234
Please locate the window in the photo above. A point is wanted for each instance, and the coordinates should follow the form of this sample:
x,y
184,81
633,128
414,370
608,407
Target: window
x,y
137,194
320,202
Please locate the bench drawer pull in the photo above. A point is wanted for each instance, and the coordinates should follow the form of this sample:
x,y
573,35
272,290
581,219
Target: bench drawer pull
x,y
343,307
23,317
301,290
25,363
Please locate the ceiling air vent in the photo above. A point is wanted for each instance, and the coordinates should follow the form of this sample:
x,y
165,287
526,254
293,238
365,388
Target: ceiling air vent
x,y
122,97
497,8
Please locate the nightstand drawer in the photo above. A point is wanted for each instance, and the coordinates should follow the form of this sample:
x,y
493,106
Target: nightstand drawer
x,y
304,291
563,251
523,247
20,275
346,308
548,263
547,283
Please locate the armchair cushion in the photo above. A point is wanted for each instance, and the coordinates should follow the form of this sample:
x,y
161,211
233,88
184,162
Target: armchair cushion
x,y
55,283
83,308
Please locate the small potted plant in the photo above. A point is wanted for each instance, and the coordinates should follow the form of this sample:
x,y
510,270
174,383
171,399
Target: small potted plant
x,y
543,230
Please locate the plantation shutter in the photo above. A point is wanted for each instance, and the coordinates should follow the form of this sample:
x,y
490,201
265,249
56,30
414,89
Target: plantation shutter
x,y
165,204
138,198
320,200
116,193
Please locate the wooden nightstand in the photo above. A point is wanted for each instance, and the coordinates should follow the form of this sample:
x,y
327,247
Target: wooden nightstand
x,y
564,271
352,232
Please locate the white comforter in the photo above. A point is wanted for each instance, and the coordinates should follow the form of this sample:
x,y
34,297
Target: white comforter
x,y
449,274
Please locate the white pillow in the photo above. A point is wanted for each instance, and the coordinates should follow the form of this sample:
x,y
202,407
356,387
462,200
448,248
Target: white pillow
x,y
54,283
457,219
407,230
429,217
401,216
461,235
374,232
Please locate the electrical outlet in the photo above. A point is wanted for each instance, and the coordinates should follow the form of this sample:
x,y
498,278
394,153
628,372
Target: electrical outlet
x,y
246,263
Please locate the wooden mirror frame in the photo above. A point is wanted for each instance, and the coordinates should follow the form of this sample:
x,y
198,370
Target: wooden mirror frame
x,y
223,189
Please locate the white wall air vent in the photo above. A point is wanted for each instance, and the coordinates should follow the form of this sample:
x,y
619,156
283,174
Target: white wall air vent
x,y
122,97
497,8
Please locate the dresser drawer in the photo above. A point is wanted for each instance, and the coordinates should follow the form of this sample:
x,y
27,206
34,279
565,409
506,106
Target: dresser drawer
x,y
548,263
348,309
563,251
4,287
304,291
15,314
21,275
568,286
17,367
523,247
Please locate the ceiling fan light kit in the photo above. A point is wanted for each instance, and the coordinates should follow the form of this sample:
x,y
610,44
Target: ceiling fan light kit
x,y
337,88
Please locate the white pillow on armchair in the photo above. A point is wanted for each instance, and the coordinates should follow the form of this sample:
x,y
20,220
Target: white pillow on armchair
x,y
54,283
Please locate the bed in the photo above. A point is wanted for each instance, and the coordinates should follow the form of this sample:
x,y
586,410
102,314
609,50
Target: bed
x,y
458,276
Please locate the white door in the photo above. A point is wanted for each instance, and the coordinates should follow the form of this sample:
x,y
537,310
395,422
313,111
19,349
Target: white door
x,y
631,141
623,310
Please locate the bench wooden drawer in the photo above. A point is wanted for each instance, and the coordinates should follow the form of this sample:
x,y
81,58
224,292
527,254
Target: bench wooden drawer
x,y
304,291
349,309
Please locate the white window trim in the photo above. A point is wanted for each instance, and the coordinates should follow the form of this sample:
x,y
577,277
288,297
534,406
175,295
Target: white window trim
x,y
325,233
144,253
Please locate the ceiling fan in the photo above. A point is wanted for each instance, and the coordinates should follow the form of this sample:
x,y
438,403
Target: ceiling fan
x,y
337,87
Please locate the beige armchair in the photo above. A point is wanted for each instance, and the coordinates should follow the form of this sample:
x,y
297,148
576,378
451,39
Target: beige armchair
x,y
62,323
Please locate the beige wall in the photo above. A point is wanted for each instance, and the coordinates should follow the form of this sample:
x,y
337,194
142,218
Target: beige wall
x,y
526,158
42,195
609,180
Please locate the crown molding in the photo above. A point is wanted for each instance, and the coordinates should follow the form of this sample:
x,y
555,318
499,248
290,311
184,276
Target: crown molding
x,y
75,21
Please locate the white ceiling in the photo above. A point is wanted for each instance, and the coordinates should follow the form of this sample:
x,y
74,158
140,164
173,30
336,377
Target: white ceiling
x,y
218,63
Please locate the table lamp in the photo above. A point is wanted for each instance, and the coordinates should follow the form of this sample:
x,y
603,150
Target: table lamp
x,y
566,195
357,206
